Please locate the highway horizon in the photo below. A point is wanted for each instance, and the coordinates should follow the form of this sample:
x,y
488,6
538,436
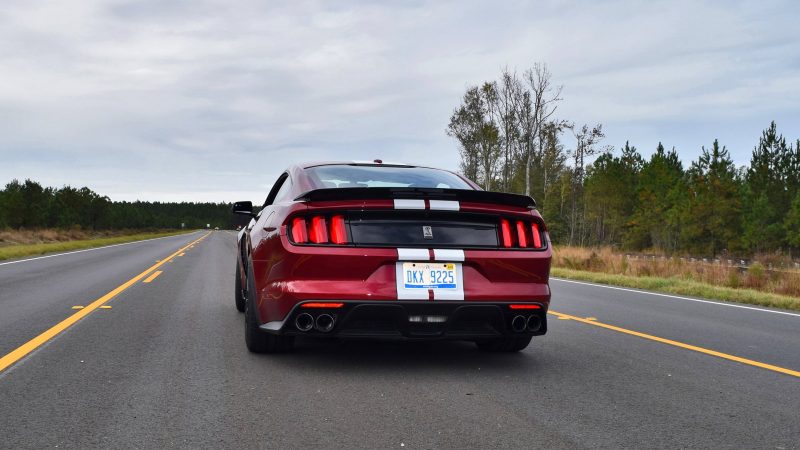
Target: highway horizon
x,y
141,346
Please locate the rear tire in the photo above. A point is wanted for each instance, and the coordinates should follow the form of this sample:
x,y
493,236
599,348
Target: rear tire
x,y
257,340
505,345
238,294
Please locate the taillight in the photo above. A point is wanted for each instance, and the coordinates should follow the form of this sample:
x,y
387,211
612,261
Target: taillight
x,y
338,231
537,236
299,232
522,234
522,237
505,231
319,230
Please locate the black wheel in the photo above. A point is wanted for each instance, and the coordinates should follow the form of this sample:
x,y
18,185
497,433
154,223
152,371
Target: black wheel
x,y
257,340
238,294
505,345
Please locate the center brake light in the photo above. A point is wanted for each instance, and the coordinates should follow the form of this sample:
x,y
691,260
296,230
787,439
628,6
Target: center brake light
x,y
520,234
319,230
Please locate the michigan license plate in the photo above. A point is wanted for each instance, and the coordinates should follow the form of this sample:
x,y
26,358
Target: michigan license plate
x,y
430,275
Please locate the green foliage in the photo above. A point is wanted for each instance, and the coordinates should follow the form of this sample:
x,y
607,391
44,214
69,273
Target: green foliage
x,y
792,223
661,186
29,205
622,200
710,218
770,182
609,203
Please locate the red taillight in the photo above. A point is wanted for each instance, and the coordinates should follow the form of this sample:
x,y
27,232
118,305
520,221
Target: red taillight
x,y
318,233
520,234
537,237
299,232
524,306
505,231
522,237
322,305
319,230
338,231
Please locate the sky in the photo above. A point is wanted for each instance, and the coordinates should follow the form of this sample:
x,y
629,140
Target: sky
x,y
209,100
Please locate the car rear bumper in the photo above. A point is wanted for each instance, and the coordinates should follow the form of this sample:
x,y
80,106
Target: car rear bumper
x,y
417,320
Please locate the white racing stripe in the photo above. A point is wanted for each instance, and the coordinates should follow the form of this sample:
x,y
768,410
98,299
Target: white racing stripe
x,y
413,254
445,205
730,305
409,204
448,255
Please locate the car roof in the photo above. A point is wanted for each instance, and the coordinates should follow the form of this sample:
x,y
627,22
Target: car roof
x,y
376,162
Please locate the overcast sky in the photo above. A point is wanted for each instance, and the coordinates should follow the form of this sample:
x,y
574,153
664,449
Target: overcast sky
x,y
209,100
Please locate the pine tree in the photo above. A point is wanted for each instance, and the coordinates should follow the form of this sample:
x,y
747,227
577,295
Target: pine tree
x,y
661,185
609,204
792,224
766,195
710,219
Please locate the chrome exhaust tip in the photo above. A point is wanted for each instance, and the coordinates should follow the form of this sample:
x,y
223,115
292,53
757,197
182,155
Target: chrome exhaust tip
x,y
518,324
325,323
304,322
534,323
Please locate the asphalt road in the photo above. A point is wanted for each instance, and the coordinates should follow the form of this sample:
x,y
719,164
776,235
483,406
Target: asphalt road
x,y
166,366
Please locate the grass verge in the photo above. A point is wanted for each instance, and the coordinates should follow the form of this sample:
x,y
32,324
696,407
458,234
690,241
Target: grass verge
x,y
682,287
23,250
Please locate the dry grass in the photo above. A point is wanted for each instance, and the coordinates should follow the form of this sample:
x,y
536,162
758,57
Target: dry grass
x,y
756,277
47,235
22,243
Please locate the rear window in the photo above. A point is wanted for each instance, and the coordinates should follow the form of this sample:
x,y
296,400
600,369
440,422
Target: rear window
x,y
343,176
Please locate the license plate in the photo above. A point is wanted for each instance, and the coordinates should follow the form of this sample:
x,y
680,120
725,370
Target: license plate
x,y
430,275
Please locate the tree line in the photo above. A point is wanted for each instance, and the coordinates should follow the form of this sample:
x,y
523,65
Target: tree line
x,y
590,194
30,205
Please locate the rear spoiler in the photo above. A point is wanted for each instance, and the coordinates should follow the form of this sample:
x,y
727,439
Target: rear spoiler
x,y
464,195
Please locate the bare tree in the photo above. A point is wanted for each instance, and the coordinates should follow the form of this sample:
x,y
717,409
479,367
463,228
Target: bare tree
x,y
586,140
472,126
536,102
508,89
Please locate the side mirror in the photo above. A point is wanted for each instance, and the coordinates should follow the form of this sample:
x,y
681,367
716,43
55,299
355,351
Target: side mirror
x,y
245,208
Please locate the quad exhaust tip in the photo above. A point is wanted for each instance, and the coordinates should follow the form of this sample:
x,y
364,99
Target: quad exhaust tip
x,y
304,322
534,323
518,324
325,323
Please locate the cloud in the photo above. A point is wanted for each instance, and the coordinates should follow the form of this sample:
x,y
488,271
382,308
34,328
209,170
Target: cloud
x,y
208,100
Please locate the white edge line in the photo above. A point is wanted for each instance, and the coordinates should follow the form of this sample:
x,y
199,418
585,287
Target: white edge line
x,y
642,291
94,248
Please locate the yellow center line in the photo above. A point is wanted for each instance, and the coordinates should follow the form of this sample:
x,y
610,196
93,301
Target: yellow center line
x,y
152,277
750,362
24,349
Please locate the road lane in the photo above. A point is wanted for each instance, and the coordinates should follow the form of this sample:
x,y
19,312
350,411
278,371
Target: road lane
x,y
759,335
36,294
167,367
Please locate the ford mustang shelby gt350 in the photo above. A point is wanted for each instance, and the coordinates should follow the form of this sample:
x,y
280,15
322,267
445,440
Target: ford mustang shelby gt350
x,y
374,250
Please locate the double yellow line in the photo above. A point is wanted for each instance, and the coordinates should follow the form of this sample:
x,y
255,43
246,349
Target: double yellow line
x,y
39,340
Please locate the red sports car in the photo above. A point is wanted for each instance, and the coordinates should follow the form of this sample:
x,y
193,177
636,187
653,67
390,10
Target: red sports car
x,y
379,250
